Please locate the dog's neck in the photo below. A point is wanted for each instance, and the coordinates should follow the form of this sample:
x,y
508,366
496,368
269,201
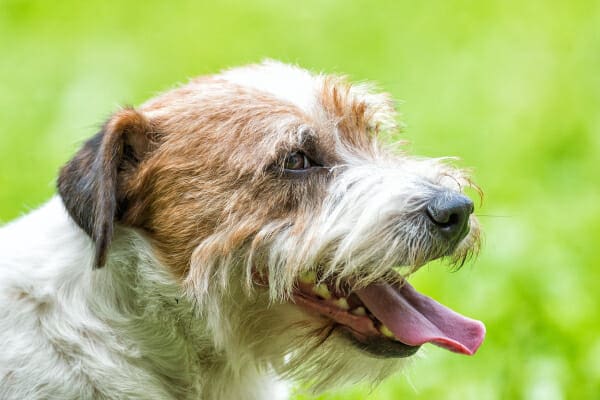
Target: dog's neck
x,y
129,312
169,330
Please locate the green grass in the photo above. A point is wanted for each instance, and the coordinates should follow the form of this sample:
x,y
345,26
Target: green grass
x,y
512,87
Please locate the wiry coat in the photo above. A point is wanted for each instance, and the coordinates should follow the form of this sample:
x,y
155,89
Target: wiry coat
x,y
165,267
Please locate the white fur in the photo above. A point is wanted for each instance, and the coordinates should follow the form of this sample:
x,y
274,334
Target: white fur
x,y
286,82
70,332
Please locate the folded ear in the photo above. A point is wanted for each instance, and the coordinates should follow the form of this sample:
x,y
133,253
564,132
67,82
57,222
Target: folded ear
x,y
88,184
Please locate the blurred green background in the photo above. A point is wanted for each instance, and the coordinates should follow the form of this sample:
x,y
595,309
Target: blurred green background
x,y
512,87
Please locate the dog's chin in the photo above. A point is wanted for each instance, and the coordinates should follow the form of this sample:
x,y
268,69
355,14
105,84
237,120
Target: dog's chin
x,y
378,347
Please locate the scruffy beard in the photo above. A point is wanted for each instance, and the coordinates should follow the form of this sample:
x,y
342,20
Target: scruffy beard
x,y
281,337
325,358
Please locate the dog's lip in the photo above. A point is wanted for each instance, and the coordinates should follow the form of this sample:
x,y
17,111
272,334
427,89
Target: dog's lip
x,y
339,305
362,325
396,312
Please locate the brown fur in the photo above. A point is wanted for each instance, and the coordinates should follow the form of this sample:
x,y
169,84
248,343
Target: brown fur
x,y
176,193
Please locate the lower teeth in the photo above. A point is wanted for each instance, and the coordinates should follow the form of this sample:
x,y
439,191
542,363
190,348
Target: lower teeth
x,y
342,303
322,290
359,311
385,331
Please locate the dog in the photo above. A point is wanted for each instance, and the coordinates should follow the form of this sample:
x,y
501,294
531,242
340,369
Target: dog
x,y
239,233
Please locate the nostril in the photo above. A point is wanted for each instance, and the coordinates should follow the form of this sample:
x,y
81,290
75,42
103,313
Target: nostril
x,y
442,217
452,220
450,212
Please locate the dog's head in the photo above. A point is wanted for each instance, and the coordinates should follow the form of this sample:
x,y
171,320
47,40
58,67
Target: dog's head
x,y
267,192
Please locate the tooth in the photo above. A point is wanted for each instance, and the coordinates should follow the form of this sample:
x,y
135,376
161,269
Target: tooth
x,y
308,277
342,303
322,291
385,331
359,311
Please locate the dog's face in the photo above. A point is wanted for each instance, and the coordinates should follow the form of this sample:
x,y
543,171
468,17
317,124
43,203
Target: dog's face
x,y
267,192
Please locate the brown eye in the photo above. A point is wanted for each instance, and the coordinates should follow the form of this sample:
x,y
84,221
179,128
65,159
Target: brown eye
x,y
296,161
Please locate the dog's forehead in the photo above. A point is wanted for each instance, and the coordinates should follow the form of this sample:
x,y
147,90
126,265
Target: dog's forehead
x,y
312,92
285,82
269,104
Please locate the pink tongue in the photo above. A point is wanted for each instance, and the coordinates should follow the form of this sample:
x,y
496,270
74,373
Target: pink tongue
x,y
416,319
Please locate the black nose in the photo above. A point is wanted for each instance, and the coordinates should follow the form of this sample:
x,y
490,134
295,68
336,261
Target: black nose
x,y
450,213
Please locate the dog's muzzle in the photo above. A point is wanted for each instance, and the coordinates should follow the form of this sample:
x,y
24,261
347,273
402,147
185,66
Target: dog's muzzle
x,y
388,317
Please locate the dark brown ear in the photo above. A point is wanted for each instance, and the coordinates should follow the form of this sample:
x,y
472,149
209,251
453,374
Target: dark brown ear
x,y
88,184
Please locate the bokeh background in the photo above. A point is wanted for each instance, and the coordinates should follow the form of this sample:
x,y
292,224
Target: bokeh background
x,y
510,86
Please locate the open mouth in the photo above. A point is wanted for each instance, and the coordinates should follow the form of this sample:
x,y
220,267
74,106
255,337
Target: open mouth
x,y
389,319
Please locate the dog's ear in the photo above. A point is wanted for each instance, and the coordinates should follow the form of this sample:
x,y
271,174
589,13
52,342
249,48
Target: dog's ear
x,y
89,183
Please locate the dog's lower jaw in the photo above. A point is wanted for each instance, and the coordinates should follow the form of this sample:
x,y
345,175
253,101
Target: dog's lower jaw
x,y
380,347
